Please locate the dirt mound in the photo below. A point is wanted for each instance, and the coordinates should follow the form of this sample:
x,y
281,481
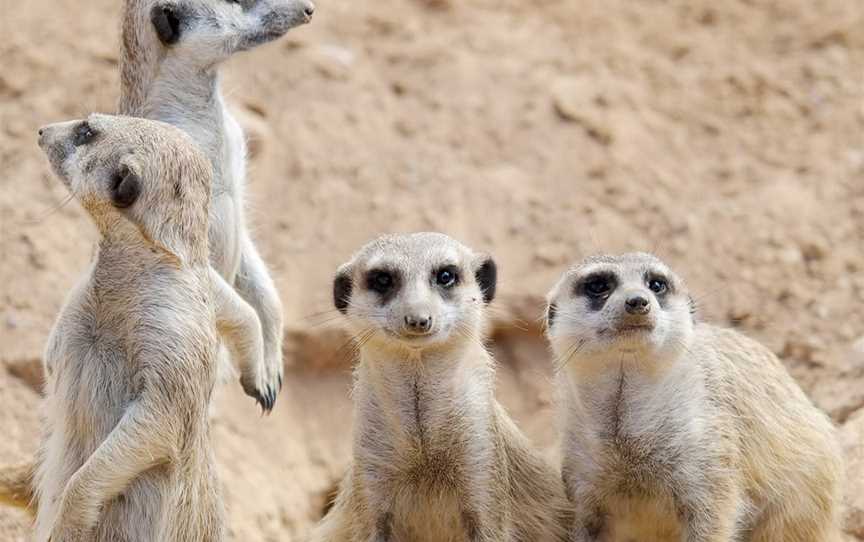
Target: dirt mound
x,y
726,136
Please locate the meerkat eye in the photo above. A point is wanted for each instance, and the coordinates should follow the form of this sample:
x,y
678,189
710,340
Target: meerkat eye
x,y
380,281
598,285
447,277
84,134
658,285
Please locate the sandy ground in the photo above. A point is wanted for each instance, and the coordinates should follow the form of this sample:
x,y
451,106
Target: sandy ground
x,y
726,136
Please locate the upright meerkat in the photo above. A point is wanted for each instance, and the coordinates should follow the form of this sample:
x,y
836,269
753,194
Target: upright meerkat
x,y
171,53
126,454
436,458
678,430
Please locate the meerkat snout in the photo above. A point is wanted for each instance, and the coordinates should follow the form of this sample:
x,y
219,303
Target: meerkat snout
x,y
418,324
636,304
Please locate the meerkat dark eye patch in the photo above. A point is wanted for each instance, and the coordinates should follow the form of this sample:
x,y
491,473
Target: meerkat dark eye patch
x,y
83,134
125,188
166,22
597,287
381,281
342,287
487,279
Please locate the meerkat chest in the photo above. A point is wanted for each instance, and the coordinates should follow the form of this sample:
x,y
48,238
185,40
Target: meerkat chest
x,y
235,154
641,423
226,207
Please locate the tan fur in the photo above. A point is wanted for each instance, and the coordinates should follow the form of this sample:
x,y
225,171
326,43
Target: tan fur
x,y
132,356
435,456
681,430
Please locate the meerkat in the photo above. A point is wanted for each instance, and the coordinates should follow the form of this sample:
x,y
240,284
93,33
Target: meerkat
x,y
674,429
435,457
171,53
126,453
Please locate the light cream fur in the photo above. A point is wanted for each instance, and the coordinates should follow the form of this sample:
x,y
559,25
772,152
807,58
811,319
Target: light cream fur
x,y
132,357
681,430
436,458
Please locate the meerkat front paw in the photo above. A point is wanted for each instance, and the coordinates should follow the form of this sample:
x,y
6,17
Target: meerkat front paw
x,y
273,372
261,386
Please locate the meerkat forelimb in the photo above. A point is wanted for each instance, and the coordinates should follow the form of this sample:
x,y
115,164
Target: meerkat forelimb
x,y
435,456
126,453
674,429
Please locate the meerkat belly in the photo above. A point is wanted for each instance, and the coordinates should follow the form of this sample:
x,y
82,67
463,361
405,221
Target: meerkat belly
x,y
226,206
641,519
427,514
642,431
91,389
224,235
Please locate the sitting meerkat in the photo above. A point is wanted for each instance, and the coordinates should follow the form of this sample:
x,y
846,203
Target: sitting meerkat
x,y
126,453
679,430
435,458
171,53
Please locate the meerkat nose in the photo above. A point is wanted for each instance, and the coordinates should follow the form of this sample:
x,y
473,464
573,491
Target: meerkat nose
x,y
420,324
309,9
41,140
637,305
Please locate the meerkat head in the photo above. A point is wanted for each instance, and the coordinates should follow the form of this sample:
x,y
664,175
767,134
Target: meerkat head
x,y
619,305
207,31
415,291
134,177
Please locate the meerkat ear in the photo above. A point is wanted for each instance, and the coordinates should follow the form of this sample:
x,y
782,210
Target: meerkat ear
x,y
342,287
487,278
166,23
125,187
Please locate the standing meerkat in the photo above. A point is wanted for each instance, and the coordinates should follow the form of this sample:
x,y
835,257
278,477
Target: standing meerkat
x,y
678,430
435,458
126,454
171,53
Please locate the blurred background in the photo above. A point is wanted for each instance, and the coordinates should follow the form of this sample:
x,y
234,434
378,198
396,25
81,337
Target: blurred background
x,y
727,137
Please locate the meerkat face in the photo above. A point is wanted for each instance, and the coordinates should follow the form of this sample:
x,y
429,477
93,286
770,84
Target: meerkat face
x,y
131,170
415,291
629,304
208,31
